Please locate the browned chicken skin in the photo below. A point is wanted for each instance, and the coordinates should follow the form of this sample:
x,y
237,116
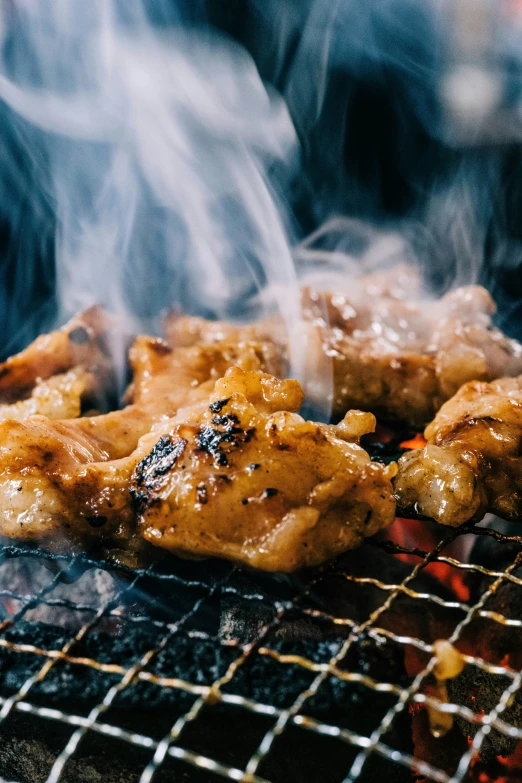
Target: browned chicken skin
x,y
64,481
382,347
472,462
402,359
242,476
209,457
58,397
80,343
206,464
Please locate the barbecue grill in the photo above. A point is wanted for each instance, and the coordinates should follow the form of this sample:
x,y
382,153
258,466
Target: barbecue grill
x,y
196,671
193,671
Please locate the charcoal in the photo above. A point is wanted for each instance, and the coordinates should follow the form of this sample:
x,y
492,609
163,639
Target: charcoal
x,y
241,608
197,661
29,748
384,451
78,688
346,598
481,692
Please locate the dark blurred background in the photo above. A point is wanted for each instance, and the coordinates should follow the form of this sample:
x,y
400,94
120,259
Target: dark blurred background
x,y
378,142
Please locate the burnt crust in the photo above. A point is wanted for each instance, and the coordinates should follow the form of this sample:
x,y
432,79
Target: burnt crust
x,y
269,492
217,407
148,473
228,418
211,439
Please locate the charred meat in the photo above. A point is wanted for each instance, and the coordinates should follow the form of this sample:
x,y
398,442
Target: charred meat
x,y
246,478
80,343
234,472
471,463
383,346
66,481
58,397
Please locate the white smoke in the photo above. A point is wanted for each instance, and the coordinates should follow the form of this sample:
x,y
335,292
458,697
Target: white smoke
x,y
159,146
169,154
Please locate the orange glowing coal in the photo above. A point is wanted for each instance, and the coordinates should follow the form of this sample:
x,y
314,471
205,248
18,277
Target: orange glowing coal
x,y
411,534
418,442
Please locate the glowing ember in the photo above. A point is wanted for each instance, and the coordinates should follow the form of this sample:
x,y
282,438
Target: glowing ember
x,y
418,442
411,534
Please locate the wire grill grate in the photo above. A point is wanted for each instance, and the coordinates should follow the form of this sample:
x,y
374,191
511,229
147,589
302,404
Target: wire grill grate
x,y
393,617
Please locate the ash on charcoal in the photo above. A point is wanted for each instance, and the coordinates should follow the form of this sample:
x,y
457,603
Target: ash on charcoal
x,y
76,688
238,625
492,641
244,622
27,577
242,619
481,692
29,746
237,613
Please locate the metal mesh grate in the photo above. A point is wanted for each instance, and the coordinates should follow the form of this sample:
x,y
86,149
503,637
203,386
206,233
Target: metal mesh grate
x,y
397,600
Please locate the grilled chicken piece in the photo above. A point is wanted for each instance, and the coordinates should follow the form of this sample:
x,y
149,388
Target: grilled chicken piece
x,y
243,477
472,462
184,330
383,348
82,342
402,359
68,481
58,397
162,373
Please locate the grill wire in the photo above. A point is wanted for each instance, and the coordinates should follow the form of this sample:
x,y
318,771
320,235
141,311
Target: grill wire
x,y
214,692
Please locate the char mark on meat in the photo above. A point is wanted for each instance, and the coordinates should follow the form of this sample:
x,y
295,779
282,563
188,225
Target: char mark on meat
x,y
212,439
154,466
217,407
